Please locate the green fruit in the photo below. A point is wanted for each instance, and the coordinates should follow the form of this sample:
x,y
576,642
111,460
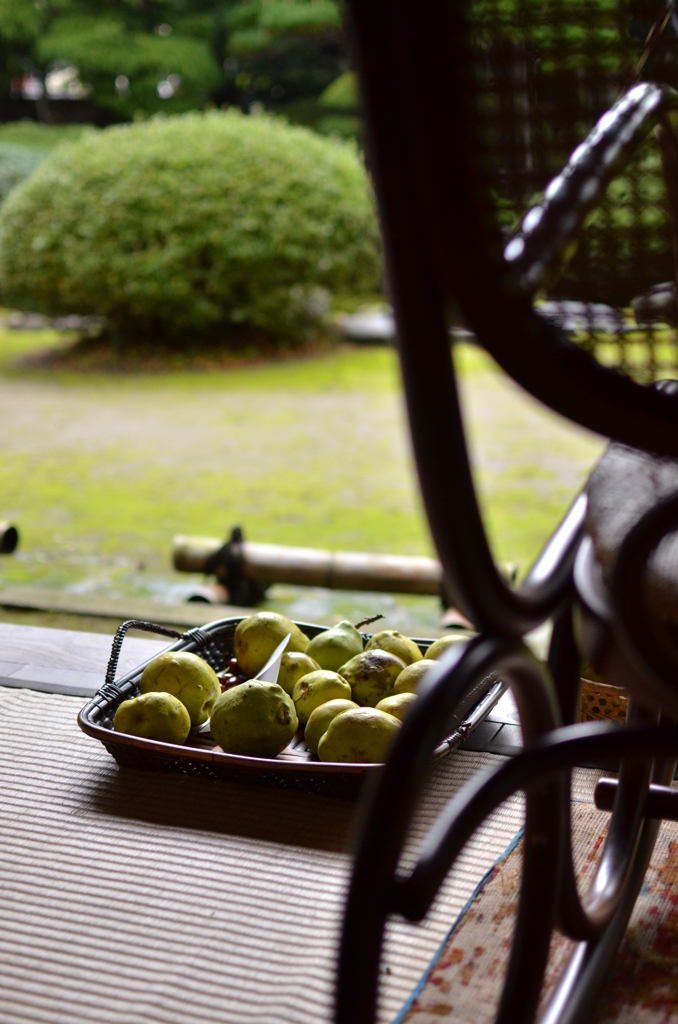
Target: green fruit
x,y
157,716
319,721
372,675
408,680
359,737
186,676
397,705
256,719
257,637
292,667
439,647
395,643
334,647
317,688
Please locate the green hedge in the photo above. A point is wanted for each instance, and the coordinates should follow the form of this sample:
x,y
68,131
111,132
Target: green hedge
x,y
187,225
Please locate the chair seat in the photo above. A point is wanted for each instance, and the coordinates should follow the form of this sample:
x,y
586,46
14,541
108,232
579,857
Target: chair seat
x,y
625,485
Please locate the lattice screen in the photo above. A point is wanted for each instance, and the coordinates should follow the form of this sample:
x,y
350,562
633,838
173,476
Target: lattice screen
x,y
547,71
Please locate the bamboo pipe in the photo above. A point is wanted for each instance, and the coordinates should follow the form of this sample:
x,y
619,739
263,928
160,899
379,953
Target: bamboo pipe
x,y
275,563
9,538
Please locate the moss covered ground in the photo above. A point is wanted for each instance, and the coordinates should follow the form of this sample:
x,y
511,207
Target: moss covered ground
x,y
100,470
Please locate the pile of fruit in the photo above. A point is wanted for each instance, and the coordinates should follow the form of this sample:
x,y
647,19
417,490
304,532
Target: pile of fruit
x,y
350,698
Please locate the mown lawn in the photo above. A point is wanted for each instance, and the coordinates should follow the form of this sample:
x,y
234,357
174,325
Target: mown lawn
x,y
99,471
40,136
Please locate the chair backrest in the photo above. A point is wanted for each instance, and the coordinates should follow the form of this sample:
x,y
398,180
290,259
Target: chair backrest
x,y
470,110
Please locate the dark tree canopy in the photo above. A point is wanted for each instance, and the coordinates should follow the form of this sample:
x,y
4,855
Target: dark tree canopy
x,y
173,55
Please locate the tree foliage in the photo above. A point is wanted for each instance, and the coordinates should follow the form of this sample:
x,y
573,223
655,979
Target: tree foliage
x,y
282,50
208,50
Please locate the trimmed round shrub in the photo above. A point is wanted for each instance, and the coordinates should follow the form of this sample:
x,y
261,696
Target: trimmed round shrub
x,y
187,225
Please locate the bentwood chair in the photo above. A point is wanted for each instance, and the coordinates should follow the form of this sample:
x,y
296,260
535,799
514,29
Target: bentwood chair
x,y
470,111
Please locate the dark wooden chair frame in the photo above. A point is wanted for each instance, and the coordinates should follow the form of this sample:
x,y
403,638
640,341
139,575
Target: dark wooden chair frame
x,y
445,255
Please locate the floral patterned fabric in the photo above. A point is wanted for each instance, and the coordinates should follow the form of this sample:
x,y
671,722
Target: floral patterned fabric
x,y
464,981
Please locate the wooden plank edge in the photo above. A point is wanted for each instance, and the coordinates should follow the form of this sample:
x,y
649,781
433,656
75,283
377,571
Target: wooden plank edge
x,y
44,599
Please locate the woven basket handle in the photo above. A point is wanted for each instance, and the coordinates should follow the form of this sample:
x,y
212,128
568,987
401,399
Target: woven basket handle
x,y
148,627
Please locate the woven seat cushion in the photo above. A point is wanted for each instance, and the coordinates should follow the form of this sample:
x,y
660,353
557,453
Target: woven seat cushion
x,y
625,484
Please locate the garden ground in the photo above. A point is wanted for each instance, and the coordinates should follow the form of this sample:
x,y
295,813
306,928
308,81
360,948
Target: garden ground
x,y
99,471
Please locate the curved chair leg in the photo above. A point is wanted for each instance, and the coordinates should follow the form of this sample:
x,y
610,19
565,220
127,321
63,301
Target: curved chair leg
x,y
608,904
377,890
586,918
373,895
590,962
586,970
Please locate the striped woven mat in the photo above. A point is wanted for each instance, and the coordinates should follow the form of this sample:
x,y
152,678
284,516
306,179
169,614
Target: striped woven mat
x,y
464,981
129,896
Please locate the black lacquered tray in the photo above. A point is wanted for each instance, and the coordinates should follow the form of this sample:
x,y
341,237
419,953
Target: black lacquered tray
x,y
293,768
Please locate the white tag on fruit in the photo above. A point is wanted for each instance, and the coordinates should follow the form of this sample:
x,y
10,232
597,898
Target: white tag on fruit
x,y
269,673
